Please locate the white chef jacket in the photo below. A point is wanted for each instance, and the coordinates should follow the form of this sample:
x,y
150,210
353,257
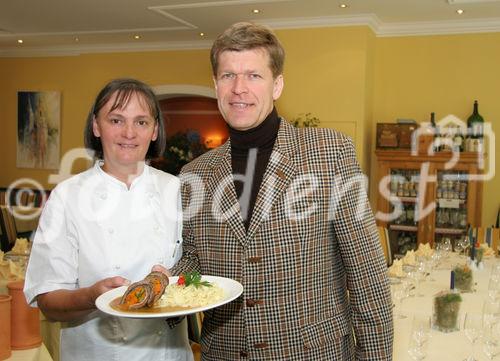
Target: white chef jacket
x,y
93,227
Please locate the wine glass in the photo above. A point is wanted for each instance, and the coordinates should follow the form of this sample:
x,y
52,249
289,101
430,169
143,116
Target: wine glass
x,y
399,294
491,311
420,333
491,343
472,328
421,328
494,287
461,245
416,351
447,248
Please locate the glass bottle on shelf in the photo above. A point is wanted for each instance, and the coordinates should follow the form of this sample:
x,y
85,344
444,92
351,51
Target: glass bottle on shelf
x,y
458,140
475,124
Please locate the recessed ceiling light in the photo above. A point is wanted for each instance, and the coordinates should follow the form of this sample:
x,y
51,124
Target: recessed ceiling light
x,y
460,11
256,11
136,37
202,34
343,6
20,41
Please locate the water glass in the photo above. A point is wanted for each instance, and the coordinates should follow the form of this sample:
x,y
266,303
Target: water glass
x,y
473,326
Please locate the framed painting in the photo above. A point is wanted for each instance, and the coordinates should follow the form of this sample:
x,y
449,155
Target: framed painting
x,y
38,129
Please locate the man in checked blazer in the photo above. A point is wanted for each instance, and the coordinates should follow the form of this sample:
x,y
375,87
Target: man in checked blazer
x,y
282,210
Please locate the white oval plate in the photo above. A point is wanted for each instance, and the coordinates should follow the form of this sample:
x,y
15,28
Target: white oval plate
x,y
232,290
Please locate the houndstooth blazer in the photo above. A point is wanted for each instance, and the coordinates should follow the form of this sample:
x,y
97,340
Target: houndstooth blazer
x,y
313,272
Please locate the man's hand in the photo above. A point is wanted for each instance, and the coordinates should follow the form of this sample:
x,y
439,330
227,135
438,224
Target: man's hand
x,y
160,268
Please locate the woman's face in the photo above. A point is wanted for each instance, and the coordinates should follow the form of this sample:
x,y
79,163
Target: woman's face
x,y
125,134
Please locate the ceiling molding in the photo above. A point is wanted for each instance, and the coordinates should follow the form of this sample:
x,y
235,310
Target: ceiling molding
x,y
382,29
104,48
370,20
439,27
379,28
165,10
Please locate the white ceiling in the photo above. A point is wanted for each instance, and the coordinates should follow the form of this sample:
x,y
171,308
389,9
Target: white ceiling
x,y
59,27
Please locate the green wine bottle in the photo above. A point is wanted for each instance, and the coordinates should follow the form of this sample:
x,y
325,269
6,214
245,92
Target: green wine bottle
x,y
437,135
475,122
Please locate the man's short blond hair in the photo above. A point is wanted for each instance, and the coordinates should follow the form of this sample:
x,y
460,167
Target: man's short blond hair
x,y
248,36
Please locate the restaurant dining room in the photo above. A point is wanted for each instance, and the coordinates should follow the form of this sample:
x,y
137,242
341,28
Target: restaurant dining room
x,y
114,113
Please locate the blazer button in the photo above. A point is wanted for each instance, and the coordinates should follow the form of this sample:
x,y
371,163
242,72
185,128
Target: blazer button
x,y
254,259
243,353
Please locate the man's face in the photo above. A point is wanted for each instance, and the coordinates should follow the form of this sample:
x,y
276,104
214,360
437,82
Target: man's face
x,y
246,88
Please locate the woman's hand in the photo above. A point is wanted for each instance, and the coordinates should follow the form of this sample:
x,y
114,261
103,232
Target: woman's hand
x,y
69,305
105,285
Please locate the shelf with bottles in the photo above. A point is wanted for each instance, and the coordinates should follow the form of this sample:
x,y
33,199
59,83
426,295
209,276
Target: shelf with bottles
x,y
402,242
452,185
453,240
404,184
458,138
451,218
406,215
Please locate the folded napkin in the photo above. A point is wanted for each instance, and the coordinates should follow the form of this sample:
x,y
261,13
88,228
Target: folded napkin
x,y
488,251
21,246
409,258
9,270
396,270
424,250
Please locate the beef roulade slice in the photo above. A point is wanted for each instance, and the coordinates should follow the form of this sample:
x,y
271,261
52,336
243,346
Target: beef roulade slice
x,y
137,295
158,281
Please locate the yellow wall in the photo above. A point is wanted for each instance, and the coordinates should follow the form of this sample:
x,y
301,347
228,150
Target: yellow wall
x,y
415,76
345,76
79,78
326,74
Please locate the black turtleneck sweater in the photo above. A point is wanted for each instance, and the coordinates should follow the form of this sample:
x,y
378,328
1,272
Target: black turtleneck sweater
x,y
247,172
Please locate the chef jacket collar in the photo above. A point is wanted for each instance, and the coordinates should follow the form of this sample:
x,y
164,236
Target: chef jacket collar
x,y
145,172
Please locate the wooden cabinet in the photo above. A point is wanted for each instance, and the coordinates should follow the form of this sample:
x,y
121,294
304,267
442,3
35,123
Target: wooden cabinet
x,y
427,198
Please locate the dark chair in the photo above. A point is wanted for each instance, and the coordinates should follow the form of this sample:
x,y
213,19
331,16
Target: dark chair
x,y
8,229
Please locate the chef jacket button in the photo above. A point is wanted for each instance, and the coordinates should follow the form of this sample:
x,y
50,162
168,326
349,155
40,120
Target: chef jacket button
x,y
111,230
116,266
104,196
243,353
157,228
151,195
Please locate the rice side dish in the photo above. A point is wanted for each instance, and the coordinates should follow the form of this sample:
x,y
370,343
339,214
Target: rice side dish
x,y
190,296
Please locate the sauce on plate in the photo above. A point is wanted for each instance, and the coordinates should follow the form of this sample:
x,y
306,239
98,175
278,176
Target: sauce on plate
x,y
115,304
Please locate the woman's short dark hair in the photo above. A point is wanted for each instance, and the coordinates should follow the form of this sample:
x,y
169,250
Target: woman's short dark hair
x,y
124,88
249,36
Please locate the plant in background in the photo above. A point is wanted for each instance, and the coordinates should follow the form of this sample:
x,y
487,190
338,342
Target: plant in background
x,y
306,120
180,149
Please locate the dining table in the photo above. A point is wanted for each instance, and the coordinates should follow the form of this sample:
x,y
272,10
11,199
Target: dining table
x,y
442,346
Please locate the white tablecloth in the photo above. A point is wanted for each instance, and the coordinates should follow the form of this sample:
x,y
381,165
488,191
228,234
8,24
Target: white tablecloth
x,y
452,346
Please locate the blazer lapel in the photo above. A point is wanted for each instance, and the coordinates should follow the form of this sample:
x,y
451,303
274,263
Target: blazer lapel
x,y
224,206
279,173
